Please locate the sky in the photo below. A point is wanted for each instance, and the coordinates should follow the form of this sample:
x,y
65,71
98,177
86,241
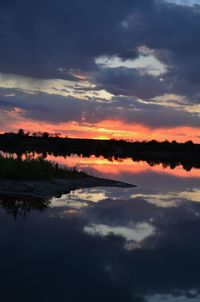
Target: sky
x,y
122,69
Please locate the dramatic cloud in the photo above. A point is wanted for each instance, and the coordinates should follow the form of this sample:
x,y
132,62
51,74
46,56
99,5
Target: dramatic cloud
x,y
131,62
117,118
43,38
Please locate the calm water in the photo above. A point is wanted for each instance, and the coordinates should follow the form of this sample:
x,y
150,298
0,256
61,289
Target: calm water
x,y
106,244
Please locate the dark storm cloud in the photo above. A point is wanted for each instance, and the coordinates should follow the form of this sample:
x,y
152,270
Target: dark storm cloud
x,y
124,81
38,37
132,82
172,31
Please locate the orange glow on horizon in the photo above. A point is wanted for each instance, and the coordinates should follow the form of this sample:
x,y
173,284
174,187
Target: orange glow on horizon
x,y
109,129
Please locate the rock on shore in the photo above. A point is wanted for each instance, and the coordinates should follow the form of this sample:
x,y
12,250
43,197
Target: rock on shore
x,y
54,188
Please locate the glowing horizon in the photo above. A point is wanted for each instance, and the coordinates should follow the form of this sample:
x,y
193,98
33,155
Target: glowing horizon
x,y
110,130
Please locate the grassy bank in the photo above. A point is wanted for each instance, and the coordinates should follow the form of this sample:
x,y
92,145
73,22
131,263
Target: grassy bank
x,y
34,169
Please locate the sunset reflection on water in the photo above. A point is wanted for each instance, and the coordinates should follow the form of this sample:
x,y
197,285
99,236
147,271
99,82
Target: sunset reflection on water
x,y
115,236
113,167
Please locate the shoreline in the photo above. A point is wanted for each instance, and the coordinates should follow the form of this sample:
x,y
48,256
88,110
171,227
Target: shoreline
x,y
55,188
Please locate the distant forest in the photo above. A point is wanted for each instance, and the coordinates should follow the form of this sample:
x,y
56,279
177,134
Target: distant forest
x,y
153,152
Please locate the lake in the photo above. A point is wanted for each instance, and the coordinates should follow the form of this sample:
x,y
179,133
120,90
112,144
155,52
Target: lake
x,y
106,244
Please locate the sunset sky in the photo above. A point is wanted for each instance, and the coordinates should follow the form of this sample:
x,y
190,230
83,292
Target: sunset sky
x,y
101,68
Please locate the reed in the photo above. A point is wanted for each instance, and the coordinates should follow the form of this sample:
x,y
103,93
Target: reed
x,y
34,169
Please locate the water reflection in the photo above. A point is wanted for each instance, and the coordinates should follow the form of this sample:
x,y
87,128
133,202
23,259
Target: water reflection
x,y
114,165
106,244
191,295
124,249
117,166
132,232
158,234
22,206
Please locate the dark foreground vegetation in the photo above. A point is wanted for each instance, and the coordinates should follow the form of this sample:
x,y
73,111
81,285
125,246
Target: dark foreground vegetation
x,y
168,153
33,169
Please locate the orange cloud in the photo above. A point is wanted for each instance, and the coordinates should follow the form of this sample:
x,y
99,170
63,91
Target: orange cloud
x,y
107,129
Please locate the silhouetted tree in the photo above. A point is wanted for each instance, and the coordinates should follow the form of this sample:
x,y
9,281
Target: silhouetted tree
x,y
21,132
45,135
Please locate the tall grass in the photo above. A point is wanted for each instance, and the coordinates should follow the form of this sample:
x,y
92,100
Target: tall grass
x,y
34,169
